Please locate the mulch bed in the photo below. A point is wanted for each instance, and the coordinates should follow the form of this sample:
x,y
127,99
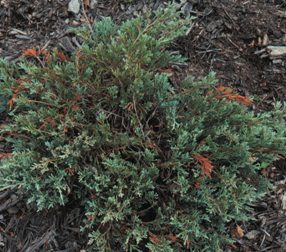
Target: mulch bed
x,y
232,38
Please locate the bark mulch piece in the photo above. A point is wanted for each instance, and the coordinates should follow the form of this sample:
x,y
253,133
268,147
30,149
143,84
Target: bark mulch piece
x,y
242,41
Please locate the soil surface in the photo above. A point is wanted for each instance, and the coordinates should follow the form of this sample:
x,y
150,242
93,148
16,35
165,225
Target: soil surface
x,y
242,41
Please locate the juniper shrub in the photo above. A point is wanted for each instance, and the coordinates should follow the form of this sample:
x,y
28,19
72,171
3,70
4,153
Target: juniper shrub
x,y
159,167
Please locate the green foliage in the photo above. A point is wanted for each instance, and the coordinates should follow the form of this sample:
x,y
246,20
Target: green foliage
x,y
107,127
3,103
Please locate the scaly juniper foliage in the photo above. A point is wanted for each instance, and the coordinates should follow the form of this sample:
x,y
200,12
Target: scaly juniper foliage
x,y
156,166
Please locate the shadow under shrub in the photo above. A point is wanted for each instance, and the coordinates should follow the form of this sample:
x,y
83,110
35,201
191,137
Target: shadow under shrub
x,y
154,166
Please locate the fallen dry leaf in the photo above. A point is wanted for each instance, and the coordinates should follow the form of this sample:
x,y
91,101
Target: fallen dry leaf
x,y
236,231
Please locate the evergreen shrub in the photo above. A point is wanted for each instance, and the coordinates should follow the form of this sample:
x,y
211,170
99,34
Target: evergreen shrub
x,y
156,167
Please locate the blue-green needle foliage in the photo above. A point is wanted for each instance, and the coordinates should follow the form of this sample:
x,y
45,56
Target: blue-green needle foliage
x,y
157,167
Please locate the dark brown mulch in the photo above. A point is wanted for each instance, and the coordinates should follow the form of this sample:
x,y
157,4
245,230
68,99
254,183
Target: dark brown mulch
x,y
228,37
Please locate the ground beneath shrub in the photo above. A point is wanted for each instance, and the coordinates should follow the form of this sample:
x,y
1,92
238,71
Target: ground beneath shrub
x,y
242,41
